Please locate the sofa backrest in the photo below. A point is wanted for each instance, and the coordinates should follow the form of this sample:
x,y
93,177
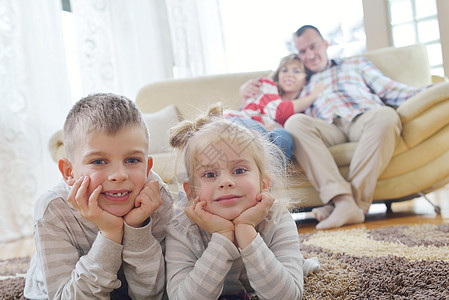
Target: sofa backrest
x,y
191,96
409,64
194,95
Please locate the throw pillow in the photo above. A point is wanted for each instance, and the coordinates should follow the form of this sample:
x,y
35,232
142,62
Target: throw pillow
x,y
159,124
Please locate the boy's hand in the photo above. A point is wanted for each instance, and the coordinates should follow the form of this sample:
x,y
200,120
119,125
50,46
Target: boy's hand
x,y
209,222
109,225
148,200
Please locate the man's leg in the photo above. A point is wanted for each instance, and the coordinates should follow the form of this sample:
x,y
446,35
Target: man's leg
x,y
377,132
312,138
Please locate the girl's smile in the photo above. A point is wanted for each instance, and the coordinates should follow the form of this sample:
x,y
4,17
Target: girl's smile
x,y
228,183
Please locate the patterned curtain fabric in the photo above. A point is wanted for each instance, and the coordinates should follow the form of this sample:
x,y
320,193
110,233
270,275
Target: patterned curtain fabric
x,y
122,46
34,98
197,37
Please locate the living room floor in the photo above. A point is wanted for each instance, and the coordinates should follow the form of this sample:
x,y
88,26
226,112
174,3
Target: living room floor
x,y
415,211
409,212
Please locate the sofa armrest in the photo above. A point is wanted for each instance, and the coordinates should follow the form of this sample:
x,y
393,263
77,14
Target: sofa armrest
x,y
424,114
56,146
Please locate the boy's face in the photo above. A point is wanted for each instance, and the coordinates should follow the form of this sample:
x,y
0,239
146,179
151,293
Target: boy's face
x,y
118,162
228,182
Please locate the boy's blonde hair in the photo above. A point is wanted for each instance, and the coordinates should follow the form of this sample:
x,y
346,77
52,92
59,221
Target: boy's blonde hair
x,y
193,137
106,113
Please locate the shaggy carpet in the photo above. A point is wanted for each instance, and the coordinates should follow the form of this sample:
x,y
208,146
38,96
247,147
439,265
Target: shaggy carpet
x,y
401,262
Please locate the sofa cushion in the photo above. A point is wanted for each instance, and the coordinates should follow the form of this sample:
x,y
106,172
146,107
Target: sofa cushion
x,y
159,124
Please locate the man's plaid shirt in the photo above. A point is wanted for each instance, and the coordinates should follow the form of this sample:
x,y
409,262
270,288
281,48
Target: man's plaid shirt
x,y
354,85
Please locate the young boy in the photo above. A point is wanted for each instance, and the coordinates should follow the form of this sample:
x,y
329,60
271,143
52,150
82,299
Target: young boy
x,y
100,233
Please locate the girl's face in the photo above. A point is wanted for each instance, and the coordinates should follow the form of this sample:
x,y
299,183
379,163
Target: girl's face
x,y
118,162
292,78
227,179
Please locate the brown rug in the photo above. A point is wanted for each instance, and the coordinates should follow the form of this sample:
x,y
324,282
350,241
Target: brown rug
x,y
12,277
402,262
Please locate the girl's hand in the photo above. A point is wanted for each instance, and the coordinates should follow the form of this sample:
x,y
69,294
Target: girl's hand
x,y
245,224
255,214
109,225
148,200
207,221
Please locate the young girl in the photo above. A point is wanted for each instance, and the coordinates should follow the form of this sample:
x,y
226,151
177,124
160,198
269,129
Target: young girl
x,y
232,240
277,101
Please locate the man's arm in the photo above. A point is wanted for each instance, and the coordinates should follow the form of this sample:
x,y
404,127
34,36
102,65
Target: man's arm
x,y
249,89
391,92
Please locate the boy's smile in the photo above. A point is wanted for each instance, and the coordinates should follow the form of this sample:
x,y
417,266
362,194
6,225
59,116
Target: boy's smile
x,y
118,162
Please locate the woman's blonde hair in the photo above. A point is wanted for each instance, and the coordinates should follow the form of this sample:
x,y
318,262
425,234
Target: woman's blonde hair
x,y
284,61
193,137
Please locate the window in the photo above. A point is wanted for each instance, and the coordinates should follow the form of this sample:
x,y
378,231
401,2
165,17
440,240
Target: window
x,y
257,34
416,21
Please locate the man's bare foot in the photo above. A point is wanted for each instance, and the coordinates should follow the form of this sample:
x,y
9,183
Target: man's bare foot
x,y
322,212
345,212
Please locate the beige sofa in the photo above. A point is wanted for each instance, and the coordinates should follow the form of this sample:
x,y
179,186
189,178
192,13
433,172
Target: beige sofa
x,y
420,163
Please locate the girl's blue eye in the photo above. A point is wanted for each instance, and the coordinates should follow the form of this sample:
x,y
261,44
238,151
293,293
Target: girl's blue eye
x,y
240,171
132,160
297,71
209,175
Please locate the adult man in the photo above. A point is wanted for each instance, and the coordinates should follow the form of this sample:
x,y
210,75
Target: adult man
x,y
351,108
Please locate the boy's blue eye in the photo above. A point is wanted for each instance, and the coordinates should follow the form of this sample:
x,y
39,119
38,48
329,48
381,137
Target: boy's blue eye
x,y
98,162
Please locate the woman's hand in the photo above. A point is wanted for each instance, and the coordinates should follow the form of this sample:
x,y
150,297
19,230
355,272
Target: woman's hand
x,y
317,89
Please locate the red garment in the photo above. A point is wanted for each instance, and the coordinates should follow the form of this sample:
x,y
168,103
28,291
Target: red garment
x,y
268,104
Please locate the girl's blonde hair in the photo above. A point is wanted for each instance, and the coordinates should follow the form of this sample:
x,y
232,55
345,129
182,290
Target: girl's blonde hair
x,y
284,61
193,137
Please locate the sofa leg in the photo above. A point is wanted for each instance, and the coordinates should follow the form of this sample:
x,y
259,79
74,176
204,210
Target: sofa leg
x,y
436,208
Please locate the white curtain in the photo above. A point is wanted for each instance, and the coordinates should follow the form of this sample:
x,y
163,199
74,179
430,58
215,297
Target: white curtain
x,y
34,98
122,46
197,37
